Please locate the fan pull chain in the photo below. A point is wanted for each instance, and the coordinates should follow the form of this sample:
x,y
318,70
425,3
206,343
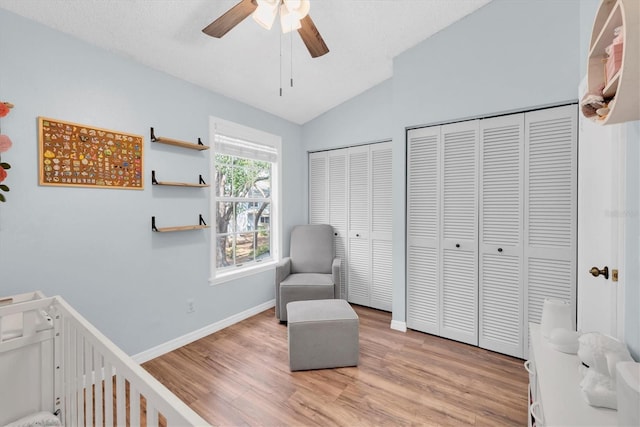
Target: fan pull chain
x,y
291,40
280,64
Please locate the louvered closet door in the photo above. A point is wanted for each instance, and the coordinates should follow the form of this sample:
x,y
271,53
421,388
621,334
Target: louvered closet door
x,y
381,222
550,208
359,264
423,228
459,244
338,213
318,213
501,234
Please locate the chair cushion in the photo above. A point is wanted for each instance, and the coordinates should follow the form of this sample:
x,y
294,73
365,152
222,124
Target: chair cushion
x,y
302,287
312,279
312,248
327,310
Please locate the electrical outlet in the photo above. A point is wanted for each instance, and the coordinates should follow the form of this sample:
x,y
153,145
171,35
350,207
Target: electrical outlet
x,y
191,306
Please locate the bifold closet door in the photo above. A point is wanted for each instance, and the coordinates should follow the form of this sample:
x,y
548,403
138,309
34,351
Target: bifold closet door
x,y
381,206
550,211
491,225
337,208
351,189
459,234
359,269
328,200
501,234
423,229
369,225
318,186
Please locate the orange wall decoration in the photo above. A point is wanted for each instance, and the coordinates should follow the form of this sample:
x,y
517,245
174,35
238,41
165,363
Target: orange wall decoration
x,y
72,154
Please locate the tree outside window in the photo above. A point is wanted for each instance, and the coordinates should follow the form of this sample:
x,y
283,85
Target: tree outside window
x,y
243,202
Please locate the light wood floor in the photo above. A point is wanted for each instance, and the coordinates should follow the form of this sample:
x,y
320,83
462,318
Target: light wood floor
x,y
240,377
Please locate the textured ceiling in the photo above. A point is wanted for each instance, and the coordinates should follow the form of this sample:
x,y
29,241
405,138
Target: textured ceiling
x,y
247,64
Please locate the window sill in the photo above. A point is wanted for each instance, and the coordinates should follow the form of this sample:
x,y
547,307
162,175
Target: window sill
x,y
228,276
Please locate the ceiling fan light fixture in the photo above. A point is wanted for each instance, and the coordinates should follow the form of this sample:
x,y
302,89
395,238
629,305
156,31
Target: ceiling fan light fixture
x,y
265,13
289,17
294,15
298,7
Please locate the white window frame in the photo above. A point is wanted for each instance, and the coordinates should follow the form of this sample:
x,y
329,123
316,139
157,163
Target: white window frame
x,y
235,130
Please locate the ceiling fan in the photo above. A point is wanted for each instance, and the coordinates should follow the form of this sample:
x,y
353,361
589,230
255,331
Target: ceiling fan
x,y
294,15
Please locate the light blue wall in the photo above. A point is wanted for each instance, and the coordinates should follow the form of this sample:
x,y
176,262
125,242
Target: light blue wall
x,y
94,246
350,123
588,10
509,55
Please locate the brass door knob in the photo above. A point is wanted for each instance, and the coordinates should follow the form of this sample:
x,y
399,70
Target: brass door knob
x,y
595,272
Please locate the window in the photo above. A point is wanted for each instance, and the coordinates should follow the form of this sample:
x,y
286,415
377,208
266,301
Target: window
x,y
243,193
244,200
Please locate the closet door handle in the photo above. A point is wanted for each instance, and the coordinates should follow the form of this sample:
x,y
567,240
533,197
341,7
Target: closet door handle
x,y
499,249
457,245
357,235
335,234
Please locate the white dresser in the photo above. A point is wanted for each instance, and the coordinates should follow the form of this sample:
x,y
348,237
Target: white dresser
x,y
554,393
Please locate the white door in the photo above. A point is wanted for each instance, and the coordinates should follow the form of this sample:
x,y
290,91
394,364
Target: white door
x,y
381,206
459,237
598,218
500,234
337,207
359,265
550,210
423,229
318,213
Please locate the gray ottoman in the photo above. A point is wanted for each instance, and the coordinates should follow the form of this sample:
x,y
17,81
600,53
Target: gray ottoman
x,y
322,334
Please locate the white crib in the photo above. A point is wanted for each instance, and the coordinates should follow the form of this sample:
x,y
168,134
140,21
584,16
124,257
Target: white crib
x,y
54,360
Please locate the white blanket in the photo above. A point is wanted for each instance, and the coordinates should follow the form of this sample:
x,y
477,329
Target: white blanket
x,y
39,419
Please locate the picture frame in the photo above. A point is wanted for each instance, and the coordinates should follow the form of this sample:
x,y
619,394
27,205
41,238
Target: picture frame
x,y
76,155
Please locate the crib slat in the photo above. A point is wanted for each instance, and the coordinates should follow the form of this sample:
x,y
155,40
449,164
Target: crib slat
x,y
47,373
121,400
71,418
66,343
108,394
58,356
134,405
88,382
152,415
82,420
98,384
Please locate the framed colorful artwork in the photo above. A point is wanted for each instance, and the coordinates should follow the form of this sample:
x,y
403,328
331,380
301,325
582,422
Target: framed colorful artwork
x,y
71,154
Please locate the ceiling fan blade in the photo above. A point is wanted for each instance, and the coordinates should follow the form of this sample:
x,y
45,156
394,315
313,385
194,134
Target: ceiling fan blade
x,y
230,18
312,38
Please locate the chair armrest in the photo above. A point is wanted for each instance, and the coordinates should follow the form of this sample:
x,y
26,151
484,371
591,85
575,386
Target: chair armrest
x,y
283,269
335,271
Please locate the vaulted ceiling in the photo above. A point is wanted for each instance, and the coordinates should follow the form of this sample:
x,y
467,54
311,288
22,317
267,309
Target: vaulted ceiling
x,y
251,64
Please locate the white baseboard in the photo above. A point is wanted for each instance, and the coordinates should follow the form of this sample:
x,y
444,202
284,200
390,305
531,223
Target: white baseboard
x,y
399,326
175,343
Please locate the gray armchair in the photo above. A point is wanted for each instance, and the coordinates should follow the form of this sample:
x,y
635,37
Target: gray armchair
x,y
312,271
